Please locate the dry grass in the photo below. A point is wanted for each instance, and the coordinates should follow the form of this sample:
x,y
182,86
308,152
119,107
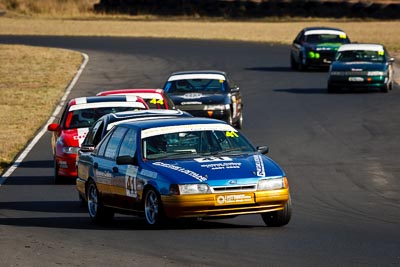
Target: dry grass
x,y
49,8
386,32
32,80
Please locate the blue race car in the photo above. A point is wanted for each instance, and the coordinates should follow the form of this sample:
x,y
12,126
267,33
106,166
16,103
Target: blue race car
x,y
182,168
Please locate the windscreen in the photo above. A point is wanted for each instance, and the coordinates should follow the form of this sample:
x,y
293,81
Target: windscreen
x,y
191,144
326,38
196,85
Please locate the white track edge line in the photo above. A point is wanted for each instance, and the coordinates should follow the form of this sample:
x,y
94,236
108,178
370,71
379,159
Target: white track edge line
x,y
43,130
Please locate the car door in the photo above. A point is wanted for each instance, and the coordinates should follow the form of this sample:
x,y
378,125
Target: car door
x,y
104,164
125,176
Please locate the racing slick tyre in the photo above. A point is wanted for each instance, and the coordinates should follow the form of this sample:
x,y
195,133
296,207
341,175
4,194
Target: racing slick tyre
x,y
293,63
153,210
280,217
57,178
230,120
239,123
301,66
331,89
82,201
386,87
97,212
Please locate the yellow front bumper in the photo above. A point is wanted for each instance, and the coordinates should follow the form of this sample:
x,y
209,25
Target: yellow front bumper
x,y
225,204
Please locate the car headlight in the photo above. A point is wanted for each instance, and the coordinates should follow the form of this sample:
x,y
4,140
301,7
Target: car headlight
x,y
216,107
375,73
313,54
70,150
337,73
186,189
272,184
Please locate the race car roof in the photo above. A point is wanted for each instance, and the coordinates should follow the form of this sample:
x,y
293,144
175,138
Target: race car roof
x,y
109,101
126,116
325,31
363,47
133,91
198,74
147,124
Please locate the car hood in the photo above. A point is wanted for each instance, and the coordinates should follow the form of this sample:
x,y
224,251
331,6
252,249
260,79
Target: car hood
x,y
217,171
357,66
74,137
199,98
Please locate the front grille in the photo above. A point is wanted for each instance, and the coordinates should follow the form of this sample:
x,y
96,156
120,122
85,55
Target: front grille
x,y
355,73
236,188
190,107
327,54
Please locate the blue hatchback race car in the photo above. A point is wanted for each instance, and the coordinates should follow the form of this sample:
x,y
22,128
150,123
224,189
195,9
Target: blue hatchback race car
x,y
182,168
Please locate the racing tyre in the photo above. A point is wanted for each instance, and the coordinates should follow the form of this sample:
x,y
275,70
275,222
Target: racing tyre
x,y
301,66
230,120
385,88
153,208
82,201
97,212
293,64
239,123
57,178
280,217
331,89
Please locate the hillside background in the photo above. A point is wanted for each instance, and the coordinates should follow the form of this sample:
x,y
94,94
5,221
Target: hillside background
x,y
227,9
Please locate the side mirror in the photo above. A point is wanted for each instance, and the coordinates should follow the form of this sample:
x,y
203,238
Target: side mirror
x,y
87,148
126,160
235,89
391,59
53,127
263,149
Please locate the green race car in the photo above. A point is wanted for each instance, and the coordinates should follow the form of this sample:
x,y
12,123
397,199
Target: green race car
x,y
315,47
364,66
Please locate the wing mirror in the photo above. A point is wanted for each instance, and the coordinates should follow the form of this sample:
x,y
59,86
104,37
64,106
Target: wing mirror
x,y
53,127
263,149
235,89
127,160
87,148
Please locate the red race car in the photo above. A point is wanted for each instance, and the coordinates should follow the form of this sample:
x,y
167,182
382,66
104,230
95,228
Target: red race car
x,y
77,118
155,98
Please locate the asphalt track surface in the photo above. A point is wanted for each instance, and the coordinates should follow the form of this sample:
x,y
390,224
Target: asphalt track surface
x,y
340,153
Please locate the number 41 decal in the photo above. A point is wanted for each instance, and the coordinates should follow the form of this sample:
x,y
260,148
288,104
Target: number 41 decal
x,y
130,181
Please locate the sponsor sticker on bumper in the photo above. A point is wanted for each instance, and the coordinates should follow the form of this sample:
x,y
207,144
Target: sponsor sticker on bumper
x,y
229,199
356,79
